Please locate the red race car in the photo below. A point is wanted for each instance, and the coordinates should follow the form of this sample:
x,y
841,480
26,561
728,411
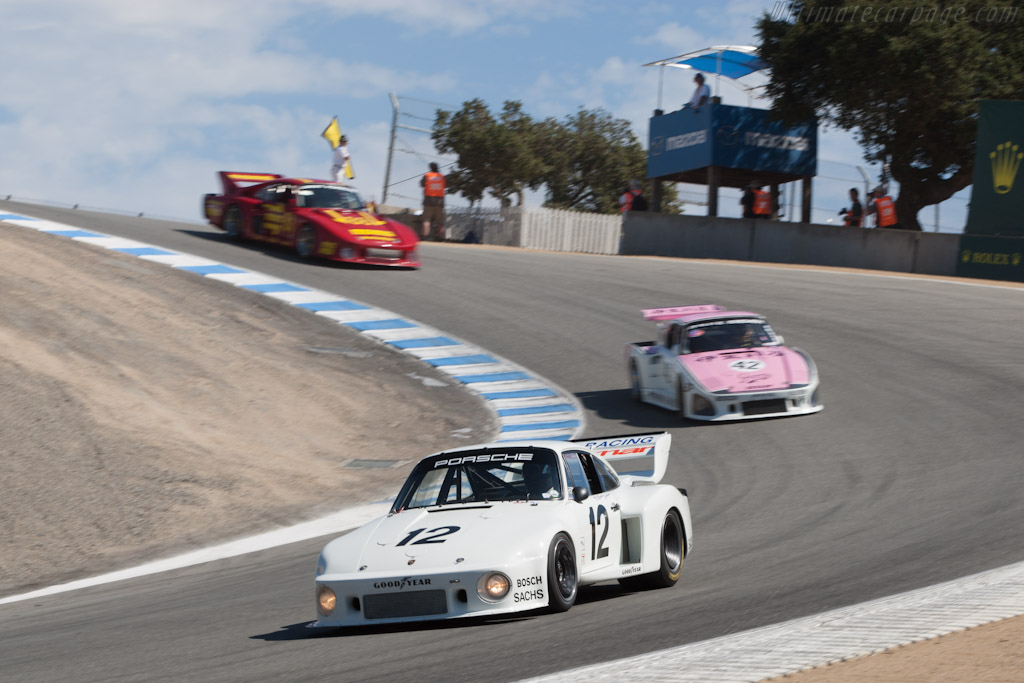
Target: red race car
x,y
315,217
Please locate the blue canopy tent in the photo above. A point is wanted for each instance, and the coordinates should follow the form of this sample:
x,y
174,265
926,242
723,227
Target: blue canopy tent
x,y
732,61
724,145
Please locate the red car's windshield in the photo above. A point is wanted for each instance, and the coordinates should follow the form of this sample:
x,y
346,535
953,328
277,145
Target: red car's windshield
x,y
327,197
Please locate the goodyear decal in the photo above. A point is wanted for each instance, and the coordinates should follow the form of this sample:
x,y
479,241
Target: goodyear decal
x,y
363,218
327,248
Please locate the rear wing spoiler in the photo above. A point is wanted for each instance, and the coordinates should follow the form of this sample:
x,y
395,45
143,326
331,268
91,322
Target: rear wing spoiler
x,y
679,311
234,180
640,456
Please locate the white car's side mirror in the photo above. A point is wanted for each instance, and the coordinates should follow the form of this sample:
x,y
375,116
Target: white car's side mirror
x,y
580,494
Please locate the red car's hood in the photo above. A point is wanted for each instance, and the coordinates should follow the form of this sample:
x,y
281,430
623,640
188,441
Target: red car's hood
x,y
741,370
365,228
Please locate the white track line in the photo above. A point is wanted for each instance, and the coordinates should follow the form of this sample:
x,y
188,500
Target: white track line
x,y
822,639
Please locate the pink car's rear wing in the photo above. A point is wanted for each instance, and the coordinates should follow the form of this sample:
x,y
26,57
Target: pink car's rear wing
x,y
679,311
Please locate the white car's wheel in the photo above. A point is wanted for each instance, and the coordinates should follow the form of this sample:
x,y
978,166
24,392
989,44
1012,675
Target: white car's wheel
x,y
305,241
672,553
233,222
563,581
636,391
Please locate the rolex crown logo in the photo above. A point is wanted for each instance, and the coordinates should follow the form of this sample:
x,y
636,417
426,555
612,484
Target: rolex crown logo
x,y
1005,162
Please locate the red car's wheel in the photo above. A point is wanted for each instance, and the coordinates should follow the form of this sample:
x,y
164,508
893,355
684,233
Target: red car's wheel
x,y
306,241
233,222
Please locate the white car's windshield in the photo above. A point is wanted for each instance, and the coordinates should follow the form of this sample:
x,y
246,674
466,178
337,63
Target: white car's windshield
x,y
327,197
729,334
482,476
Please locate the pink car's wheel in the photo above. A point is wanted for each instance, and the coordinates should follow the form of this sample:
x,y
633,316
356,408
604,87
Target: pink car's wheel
x,y
636,391
681,399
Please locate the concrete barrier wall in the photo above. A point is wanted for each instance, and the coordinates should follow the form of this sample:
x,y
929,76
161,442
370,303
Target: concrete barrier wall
x,y
766,241
937,254
654,234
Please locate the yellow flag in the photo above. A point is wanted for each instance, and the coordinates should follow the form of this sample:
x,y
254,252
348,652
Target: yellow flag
x,y
332,133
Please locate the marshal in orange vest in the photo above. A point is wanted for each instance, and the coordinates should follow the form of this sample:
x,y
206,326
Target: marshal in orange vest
x,y
886,211
433,185
762,203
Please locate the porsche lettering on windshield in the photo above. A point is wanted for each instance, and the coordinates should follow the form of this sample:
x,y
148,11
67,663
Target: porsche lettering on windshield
x,y
491,457
482,477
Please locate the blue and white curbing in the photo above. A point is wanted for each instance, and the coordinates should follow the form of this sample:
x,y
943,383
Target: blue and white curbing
x,y
527,406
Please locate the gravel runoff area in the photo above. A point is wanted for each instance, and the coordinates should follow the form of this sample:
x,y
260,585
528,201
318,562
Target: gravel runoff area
x,y
147,412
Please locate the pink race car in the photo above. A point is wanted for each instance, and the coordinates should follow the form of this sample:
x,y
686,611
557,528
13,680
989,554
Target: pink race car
x,y
712,364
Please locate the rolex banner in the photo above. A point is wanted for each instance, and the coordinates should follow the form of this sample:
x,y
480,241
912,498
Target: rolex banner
x,y
993,241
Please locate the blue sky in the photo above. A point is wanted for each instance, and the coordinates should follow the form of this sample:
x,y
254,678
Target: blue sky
x,y
135,105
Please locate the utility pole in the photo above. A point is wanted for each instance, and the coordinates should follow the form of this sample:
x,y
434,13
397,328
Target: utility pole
x,y
391,145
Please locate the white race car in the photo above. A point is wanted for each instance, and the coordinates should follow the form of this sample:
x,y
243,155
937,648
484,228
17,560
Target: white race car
x,y
509,527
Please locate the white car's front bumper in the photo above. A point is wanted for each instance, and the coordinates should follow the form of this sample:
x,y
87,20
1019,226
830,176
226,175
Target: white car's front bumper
x,y
430,596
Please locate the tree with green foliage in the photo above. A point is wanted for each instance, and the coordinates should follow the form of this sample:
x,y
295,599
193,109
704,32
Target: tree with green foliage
x,y
590,159
495,155
905,77
584,162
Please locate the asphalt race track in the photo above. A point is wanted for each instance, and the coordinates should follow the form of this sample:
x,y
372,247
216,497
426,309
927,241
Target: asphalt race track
x,y
911,475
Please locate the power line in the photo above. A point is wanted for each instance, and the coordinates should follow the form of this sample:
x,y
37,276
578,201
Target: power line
x,y
436,104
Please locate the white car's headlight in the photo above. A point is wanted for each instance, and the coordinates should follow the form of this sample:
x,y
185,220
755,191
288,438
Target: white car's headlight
x,y
493,587
326,600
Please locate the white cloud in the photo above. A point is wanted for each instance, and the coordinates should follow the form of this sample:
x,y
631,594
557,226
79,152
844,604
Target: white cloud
x,y
677,39
455,17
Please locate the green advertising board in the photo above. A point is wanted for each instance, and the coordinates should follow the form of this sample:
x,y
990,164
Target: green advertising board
x,y
994,238
991,258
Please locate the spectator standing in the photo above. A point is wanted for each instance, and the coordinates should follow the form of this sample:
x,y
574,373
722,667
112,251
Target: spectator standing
x,y
633,198
701,94
884,209
855,214
341,160
433,184
747,201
